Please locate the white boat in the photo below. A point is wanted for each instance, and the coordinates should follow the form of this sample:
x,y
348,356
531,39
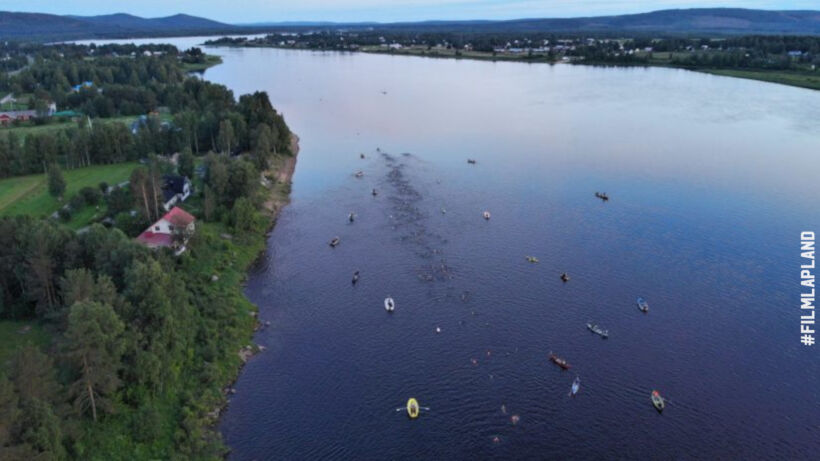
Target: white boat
x,y
643,306
389,305
487,215
598,330
359,174
576,385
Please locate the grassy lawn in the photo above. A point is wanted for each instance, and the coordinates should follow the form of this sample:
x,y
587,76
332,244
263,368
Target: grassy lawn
x,y
31,128
803,80
15,334
29,195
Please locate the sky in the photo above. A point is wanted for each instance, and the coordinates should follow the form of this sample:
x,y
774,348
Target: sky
x,y
251,11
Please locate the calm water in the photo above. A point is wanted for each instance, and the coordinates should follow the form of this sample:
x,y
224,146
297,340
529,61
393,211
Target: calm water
x,y
711,181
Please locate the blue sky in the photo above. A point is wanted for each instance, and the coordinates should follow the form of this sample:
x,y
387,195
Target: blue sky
x,y
380,10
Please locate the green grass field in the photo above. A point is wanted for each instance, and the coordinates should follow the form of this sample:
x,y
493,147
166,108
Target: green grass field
x,y
15,335
28,195
31,128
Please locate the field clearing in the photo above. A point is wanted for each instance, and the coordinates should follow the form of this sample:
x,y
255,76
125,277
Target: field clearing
x,y
28,195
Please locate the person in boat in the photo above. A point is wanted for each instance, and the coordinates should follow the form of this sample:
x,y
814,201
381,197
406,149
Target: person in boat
x,y
355,277
374,192
351,216
564,277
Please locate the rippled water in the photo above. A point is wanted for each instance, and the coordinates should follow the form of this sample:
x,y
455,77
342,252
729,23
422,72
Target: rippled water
x,y
711,180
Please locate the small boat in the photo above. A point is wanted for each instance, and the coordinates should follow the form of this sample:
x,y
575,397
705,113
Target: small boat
x,y
361,155
643,306
657,401
389,305
355,277
564,277
443,211
598,330
602,196
559,361
412,408
359,174
576,385
335,242
375,193
486,215
471,161
532,259
351,217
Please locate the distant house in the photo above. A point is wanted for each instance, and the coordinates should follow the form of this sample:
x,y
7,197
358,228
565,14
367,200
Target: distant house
x,y
171,231
86,84
7,117
175,189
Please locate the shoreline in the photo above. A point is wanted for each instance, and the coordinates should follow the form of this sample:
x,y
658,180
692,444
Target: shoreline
x,y
792,79
278,197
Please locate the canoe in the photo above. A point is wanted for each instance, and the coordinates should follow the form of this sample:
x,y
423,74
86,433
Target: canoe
x,y
559,361
412,408
576,385
657,401
389,305
643,306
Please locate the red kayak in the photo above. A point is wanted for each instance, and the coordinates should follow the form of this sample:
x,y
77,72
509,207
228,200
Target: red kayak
x,y
559,361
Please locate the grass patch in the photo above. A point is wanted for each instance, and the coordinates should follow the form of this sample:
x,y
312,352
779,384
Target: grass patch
x,y
57,125
801,79
210,61
28,195
14,335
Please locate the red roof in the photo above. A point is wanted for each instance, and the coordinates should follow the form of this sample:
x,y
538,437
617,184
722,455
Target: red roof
x,y
179,217
153,239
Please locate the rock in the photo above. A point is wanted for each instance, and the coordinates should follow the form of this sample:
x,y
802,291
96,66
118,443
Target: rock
x,y
214,278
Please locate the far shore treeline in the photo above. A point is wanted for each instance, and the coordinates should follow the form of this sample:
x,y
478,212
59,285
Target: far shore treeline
x,y
141,342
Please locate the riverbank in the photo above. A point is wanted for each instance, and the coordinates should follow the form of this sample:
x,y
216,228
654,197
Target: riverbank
x,y
229,273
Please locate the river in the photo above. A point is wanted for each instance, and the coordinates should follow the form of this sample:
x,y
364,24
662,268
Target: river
x,y
711,180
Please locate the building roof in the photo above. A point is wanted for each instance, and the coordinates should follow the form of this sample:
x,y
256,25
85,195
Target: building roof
x,y
173,185
154,239
179,217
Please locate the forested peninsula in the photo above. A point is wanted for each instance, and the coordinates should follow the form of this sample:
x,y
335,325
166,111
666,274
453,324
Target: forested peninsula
x,y
133,197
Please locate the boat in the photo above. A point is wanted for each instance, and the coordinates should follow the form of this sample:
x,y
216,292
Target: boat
x,y
412,408
598,330
532,259
389,305
602,196
486,215
361,155
351,217
564,277
559,361
335,242
375,193
471,161
359,174
355,277
576,385
643,306
657,401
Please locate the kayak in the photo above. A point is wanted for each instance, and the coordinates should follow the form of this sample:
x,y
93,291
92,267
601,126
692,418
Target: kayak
x,y
412,408
575,386
389,305
657,401
643,306
598,330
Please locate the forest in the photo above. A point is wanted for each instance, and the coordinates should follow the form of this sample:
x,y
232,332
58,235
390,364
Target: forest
x,y
142,342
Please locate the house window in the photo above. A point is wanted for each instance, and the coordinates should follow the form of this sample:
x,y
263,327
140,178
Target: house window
x,y
156,228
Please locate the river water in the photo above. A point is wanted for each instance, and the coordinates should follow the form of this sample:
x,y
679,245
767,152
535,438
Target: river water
x,y
711,181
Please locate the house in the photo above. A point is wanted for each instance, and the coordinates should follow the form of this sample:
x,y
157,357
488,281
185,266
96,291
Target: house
x,y
175,189
171,231
86,84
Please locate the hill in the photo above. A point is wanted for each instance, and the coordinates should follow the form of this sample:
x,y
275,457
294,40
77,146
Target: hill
x,y
50,27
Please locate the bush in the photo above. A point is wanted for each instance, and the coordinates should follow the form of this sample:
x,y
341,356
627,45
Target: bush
x,y
91,195
64,214
103,187
77,202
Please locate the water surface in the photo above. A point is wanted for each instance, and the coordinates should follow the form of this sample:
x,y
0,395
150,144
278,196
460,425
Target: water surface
x,y
711,178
